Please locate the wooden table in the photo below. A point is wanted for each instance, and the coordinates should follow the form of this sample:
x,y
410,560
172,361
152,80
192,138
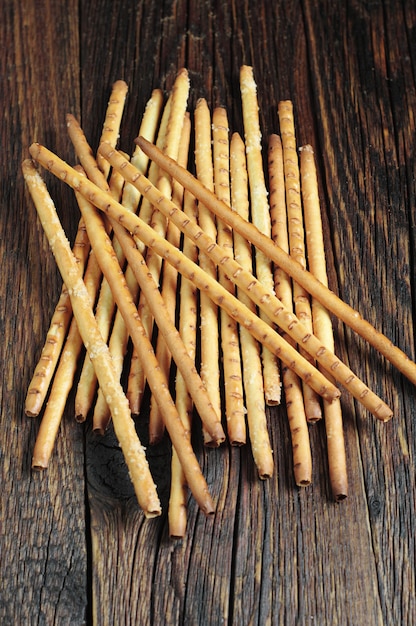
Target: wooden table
x,y
75,547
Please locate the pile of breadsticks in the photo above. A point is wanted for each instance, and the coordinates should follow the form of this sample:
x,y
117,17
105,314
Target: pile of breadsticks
x,y
210,288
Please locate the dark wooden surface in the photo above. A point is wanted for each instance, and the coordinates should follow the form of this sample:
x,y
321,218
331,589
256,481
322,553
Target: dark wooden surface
x,y
74,544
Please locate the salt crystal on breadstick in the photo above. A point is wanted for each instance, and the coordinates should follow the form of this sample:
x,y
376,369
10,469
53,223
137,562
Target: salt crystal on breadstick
x,y
123,424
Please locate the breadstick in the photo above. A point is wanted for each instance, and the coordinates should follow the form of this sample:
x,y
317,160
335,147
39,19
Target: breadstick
x,y
178,103
84,152
260,214
188,331
262,331
210,369
56,334
111,127
136,380
169,284
231,357
296,237
104,312
332,302
148,127
250,351
123,424
295,408
321,320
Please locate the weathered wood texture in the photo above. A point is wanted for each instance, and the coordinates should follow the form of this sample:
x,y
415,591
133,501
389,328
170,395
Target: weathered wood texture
x,y
75,547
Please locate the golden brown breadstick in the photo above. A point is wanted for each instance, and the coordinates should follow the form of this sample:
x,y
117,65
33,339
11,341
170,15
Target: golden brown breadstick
x,y
56,334
148,127
188,331
321,320
231,356
136,380
250,352
123,424
87,384
261,296
295,408
210,369
262,331
301,297
84,152
169,284
260,214
112,122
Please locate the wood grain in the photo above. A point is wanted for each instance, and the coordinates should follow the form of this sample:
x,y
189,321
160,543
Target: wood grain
x,y
74,546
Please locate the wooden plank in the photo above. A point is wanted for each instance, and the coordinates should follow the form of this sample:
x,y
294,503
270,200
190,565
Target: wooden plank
x,y
42,516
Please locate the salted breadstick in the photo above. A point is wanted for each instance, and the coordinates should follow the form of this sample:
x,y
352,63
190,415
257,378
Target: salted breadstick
x,y
322,293
104,312
178,103
262,331
148,128
250,348
112,122
260,214
123,424
322,323
84,152
87,383
296,237
61,319
136,380
295,408
231,356
169,284
210,356
188,320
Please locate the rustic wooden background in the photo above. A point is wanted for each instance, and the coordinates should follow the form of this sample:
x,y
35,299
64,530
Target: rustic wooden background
x,y
75,548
